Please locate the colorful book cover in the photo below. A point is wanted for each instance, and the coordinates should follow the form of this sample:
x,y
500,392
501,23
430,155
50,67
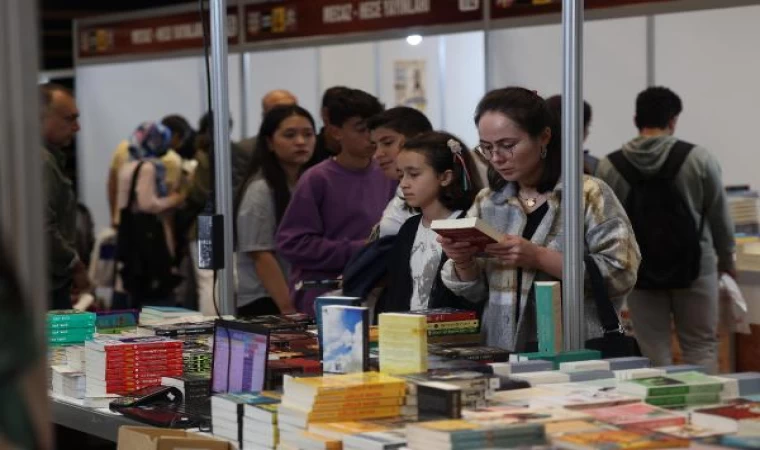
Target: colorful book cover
x,y
403,343
345,334
655,386
549,316
321,302
621,439
639,415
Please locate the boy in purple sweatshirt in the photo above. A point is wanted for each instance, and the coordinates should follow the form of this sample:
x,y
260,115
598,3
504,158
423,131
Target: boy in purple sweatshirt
x,y
335,203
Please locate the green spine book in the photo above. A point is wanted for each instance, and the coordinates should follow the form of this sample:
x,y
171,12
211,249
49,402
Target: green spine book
x,y
549,316
699,383
675,401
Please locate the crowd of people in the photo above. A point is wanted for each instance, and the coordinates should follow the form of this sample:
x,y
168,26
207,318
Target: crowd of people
x,y
308,200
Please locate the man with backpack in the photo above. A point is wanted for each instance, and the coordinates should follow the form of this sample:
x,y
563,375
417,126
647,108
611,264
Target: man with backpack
x,y
673,193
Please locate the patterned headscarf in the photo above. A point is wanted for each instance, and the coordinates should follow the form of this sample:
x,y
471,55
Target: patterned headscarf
x,y
151,141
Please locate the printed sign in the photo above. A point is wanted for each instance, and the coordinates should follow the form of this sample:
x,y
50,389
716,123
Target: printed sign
x,y
292,18
158,34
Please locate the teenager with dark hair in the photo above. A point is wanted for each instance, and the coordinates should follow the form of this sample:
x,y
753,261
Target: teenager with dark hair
x,y
590,162
335,203
439,181
285,143
389,130
327,146
520,138
699,200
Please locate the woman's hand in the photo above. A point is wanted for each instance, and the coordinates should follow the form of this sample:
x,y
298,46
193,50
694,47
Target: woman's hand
x,y
516,251
460,252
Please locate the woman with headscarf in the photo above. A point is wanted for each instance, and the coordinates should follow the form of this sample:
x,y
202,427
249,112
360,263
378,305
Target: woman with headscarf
x,y
149,142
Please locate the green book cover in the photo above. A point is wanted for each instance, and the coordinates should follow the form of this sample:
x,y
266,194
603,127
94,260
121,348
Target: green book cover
x,y
699,383
672,401
549,316
655,387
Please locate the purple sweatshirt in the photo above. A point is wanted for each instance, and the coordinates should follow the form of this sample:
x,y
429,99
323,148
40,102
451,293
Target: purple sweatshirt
x,y
329,218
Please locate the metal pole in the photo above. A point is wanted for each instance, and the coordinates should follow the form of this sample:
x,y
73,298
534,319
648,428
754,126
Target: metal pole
x,y
220,106
572,174
21,211
487,42
245,91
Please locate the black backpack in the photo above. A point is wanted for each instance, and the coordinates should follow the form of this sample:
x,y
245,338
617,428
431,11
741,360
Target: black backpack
x,y
662,222
144,261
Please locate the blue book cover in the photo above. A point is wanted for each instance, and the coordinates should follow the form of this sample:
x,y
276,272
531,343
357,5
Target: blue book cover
x,y
321,302
345,331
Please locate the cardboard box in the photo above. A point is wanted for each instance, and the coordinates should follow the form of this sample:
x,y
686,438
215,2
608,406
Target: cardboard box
x,y
149,438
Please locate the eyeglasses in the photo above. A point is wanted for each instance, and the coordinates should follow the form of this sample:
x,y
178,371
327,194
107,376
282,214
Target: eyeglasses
x,y
490,150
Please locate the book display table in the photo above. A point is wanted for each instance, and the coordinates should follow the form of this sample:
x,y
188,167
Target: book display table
x,y
96,422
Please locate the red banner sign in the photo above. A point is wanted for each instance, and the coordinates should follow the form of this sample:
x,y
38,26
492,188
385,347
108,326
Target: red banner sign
x,y
501,9
173,32
293,18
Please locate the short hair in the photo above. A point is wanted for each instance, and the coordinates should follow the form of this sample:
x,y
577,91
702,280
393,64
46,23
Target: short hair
x,y
333,93
204,125
555,106
656,107
531,113
46,92
402,119
353,103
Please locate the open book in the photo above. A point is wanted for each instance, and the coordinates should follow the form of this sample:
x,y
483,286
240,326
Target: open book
x,y
469,229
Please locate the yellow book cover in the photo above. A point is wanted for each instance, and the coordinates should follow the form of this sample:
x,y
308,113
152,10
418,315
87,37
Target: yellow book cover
x,y
397,400
323,442
621,439
338,415
403,343
338,430
447,425
328,385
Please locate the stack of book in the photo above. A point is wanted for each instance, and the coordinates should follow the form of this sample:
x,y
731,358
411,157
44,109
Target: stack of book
x,y
676,390
637,416
478,353
119,366
75,357
69,326
281,323
227,412
160,314
474,388
638,374
195,387
68,382
403,343
185,330
618,439
260,430
462,434
115,322
197,360
336,398
451,326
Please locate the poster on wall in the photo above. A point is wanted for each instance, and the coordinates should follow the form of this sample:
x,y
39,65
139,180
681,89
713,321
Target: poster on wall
x,y
410,84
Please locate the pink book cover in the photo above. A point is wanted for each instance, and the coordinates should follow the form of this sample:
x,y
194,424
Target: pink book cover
x,y
638,415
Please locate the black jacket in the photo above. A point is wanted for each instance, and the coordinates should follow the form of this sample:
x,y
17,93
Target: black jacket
x,y
398,293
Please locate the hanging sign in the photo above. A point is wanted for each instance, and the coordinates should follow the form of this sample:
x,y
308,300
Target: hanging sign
x,y
156,34
293,18
513,8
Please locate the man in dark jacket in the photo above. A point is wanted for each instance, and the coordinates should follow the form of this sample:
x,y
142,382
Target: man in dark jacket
x,y
59,123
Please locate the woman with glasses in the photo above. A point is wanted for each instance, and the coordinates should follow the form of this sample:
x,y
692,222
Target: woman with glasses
x,y
520,138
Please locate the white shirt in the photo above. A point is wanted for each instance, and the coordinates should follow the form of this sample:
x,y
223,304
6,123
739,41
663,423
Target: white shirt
x,y
424,264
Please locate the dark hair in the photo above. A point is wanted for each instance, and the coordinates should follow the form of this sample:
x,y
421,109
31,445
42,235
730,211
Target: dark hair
x,y
332,93
531,113
265,160
555,106
204,125
402,119
11,295
656,107
353,103
180,126
434,146
46,92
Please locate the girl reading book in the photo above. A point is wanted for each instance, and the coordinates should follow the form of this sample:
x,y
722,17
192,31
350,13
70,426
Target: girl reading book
x,y
520,138
439,181
285,144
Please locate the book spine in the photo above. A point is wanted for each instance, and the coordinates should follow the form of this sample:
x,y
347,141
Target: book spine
x,y
451,317
456,324
549,316
449,331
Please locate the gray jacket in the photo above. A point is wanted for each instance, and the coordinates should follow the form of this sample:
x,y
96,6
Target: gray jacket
x,y
701,184
609,241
